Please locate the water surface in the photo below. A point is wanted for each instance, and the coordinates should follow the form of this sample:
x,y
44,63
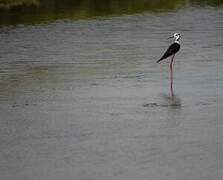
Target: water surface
x,y
84,99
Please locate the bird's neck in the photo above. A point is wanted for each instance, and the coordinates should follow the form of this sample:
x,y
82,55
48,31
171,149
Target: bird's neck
x,y
177,41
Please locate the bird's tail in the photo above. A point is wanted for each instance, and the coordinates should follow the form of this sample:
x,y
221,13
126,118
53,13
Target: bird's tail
x,y
159,60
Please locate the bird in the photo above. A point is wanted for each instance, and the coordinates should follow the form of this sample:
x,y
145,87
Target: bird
x,y
170,52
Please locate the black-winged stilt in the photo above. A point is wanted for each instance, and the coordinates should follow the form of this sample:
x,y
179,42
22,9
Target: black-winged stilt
x,y
171,51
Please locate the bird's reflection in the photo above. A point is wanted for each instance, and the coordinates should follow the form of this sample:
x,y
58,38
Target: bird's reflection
x,y
172,101
171,110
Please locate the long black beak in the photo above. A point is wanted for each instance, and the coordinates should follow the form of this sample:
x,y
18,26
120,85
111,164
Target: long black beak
x,y
170,37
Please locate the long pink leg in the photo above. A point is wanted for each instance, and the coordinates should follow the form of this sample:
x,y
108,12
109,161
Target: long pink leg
x,y
171,75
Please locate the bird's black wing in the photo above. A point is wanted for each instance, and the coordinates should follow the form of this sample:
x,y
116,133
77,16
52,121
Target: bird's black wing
x,y
173,49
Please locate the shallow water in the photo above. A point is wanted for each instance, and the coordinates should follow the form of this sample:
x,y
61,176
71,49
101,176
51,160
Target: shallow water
x,y
85,99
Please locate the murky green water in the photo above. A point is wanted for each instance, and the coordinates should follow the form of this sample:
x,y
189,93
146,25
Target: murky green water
x,y
14,12
82,98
